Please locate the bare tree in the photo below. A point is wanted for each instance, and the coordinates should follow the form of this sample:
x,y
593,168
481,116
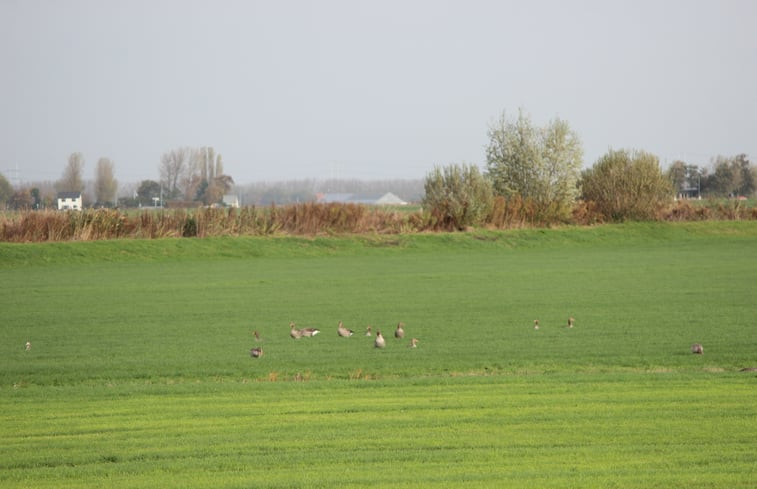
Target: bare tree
x,y
173,167
72,181
206,180
105,183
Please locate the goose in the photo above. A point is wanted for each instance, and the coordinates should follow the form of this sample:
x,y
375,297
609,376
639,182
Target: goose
x,y
399,333
310,331
294,332
414,343
380,342
696,348
256,352
536,324
342,331
28,345
256,335
570,322
368,331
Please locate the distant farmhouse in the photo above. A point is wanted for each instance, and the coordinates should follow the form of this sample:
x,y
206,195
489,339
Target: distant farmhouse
x,y
69,201
382,199
230,200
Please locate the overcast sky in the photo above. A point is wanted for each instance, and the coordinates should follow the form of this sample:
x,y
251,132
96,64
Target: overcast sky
x,y
378,89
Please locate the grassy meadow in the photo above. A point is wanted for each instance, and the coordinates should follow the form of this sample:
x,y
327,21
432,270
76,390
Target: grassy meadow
x,y
139,374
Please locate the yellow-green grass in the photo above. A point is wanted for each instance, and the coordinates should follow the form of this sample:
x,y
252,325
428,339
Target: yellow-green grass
x,y
139,376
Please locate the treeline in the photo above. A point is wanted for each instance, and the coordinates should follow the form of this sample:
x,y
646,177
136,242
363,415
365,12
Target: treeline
x,y
308,190
311,219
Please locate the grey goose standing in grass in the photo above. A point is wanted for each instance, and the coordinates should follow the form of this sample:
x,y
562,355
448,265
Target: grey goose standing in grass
x,y
256,352
570,322
380,342
697,349
368,331
536,324
399,333
414,343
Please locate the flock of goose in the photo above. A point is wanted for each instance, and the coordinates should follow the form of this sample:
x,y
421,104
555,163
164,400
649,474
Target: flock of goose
x,y
297,333
380,342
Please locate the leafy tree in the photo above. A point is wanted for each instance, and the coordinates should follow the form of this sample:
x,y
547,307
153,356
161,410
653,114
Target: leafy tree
x,y
626,185
147,191
36,196
105,183
731,177
72,180
21,199
457,196
6,190
677,175
541,164
685,179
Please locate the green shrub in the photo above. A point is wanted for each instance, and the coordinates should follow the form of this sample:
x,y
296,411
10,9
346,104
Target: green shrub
x,y
627,185
457,196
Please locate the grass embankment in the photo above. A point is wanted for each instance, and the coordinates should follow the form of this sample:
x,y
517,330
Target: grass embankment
x,y
139,375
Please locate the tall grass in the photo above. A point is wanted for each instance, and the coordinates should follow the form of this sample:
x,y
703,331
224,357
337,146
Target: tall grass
x,y
313,219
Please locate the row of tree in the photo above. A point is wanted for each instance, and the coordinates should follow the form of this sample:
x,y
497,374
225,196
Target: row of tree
x,y
539,164
730,177
189,174
542,166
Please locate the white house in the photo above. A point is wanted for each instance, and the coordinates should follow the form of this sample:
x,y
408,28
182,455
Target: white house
x,y
69,201
230,200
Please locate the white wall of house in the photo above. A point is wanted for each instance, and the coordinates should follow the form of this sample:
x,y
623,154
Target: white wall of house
x,y
231,201
69,203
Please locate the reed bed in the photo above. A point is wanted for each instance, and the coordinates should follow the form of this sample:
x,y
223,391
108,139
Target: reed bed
x,y
312,219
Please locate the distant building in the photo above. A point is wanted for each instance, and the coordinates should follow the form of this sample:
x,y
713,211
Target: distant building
x,y
231,201
69,201
380,199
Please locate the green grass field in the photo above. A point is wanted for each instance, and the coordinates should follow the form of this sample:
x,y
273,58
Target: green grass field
x,y
139,373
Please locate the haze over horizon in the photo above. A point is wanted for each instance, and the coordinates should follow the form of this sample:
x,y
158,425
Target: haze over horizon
x,y
366,90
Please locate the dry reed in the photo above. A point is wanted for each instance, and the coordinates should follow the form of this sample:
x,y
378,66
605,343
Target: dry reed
x,y
309,219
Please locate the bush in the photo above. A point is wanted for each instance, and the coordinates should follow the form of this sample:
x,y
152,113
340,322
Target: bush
x,y
627,185
457,196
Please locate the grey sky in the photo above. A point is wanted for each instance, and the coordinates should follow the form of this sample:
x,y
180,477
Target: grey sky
x,y
369,90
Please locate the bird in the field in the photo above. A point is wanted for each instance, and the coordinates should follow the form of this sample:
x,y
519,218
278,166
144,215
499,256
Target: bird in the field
x,y
380,341
399,333
368,331
294,332
256,335
570,322
697,349
256,352
310,331
342,331
536,324
414,343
